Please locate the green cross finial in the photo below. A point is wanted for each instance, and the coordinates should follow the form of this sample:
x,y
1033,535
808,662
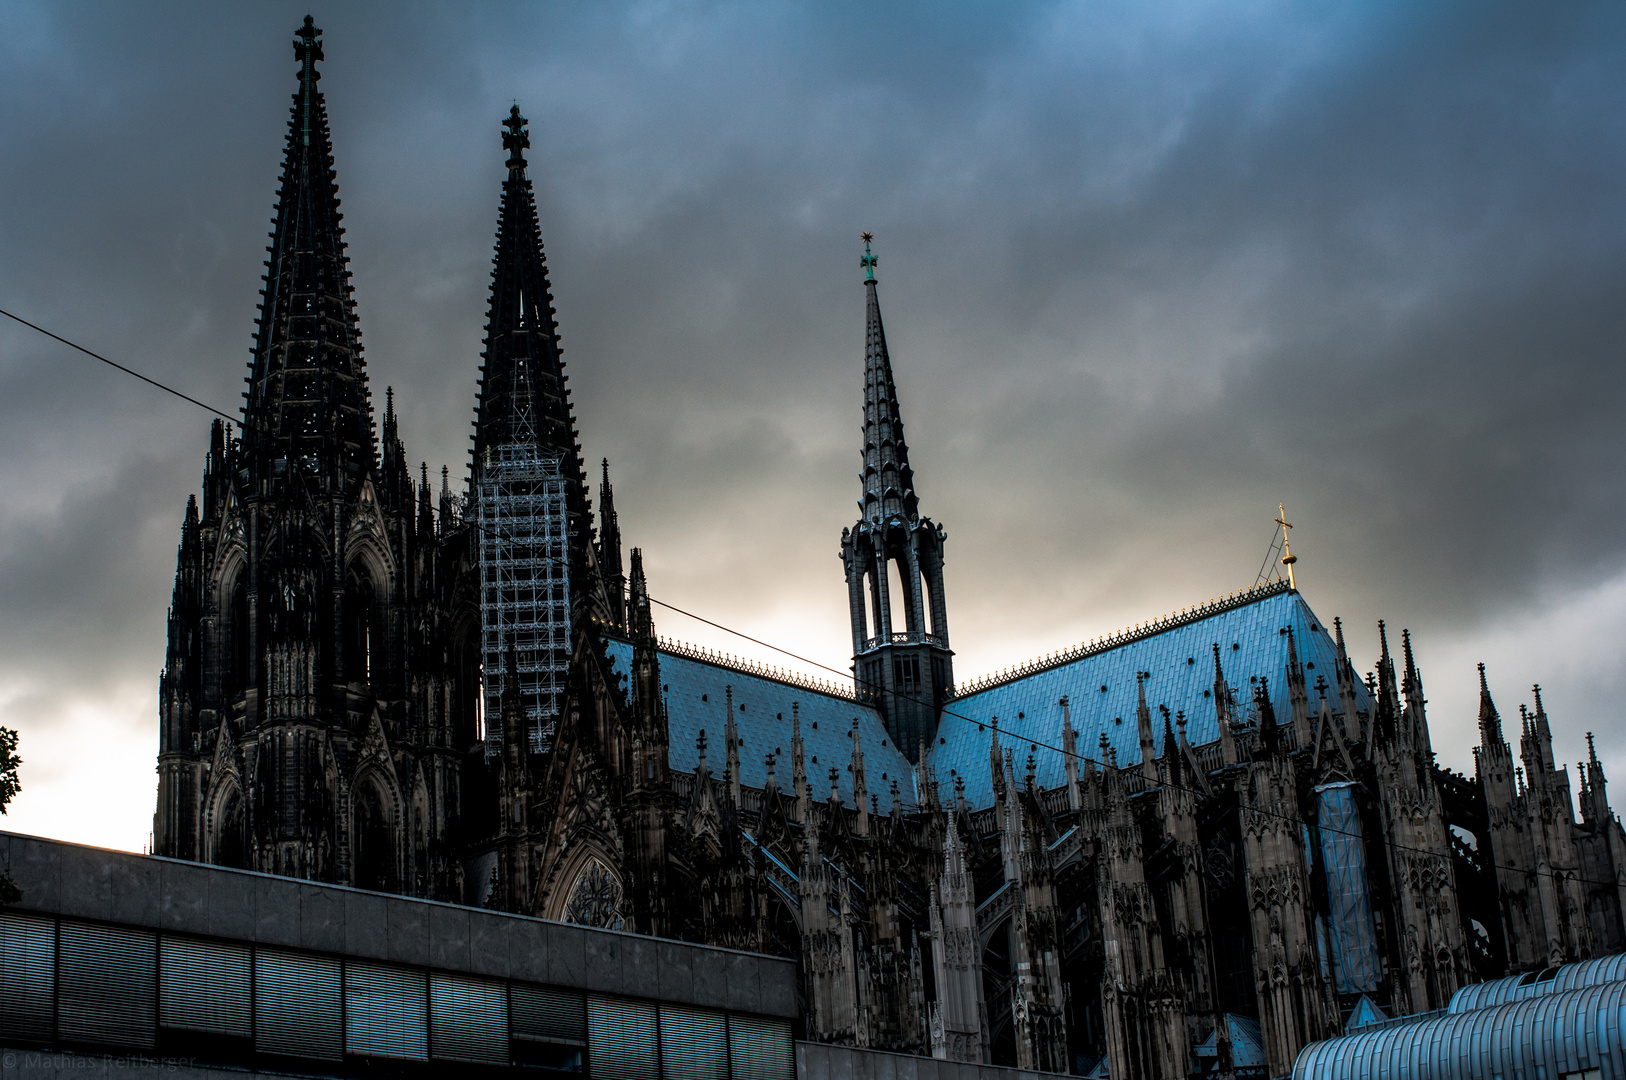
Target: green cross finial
x,y
869,260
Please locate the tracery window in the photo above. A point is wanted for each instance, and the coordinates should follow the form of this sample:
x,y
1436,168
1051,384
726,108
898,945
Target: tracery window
x,y
595,898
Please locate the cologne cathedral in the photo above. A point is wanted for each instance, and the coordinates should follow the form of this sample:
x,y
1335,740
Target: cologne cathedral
x,y
1186,849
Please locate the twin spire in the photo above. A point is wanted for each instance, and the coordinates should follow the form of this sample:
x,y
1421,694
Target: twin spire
x,y
308,411
889,483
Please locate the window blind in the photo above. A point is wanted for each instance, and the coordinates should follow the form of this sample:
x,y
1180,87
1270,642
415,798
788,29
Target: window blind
x,y
386,1011
205,986
468,1019
107,987
539,1013
623,1039
760,1049
298,1008
27,977
694,1044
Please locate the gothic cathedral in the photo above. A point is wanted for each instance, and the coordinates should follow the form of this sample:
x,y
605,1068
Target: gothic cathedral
x,y
1186,849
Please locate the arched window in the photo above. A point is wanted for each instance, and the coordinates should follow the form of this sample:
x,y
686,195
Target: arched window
x,y
375,846
360,629
231,848
237,645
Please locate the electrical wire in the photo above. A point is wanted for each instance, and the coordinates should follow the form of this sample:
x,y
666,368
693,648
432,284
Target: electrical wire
x,y
1037,743
115,364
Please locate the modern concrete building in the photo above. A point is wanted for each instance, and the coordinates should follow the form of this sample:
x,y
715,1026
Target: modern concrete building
x,y
114,962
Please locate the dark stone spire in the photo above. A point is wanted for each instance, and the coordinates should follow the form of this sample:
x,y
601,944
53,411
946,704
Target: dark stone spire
x,y
1490,722
308,409
522,379
889,483
901,657
609,549
643,626
523,372
1386,702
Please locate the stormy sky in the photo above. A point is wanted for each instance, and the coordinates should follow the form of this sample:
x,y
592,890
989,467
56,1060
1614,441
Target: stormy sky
x,y
1147,271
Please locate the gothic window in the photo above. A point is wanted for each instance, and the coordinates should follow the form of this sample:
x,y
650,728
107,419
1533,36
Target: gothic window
x,y
237,636
360,632
906,673
595,898
375,848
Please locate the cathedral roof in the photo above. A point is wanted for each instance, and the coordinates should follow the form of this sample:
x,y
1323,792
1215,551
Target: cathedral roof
x,y
696,699
1099,682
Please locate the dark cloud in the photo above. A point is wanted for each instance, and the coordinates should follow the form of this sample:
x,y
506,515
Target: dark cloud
x,y
1147,271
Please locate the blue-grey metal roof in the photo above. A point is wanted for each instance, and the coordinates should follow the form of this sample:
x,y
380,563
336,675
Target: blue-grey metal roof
x,y
1247,1043
1562,1034
1101,688
696,700
1605,969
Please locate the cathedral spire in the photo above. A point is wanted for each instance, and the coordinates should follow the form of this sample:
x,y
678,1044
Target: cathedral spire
x,y
1298,695
1346,687
522,379
609,548
1222,711
893,557
643,625
889,483
1386,703
1490,723
798,764
731,746
308,411
1143,724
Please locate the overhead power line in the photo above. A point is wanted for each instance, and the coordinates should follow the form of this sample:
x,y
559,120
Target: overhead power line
x,y
115,364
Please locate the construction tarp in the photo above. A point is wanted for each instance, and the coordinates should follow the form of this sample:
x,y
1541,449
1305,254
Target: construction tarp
x,y
1355,962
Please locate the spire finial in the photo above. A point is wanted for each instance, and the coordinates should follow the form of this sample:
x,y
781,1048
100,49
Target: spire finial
x,y
868,260
516,139
308,49
1288,558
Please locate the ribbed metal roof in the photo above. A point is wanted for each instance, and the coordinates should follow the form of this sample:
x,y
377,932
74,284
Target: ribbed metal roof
x,y
1553,1035
1605,969
1101,688
696,700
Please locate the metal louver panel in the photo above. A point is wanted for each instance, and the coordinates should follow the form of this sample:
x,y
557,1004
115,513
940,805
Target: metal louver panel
x,y
205,986
760,1049
386,1011
468,1019
27,977
298,1005
623,1039
107,989
539,1013
694,1044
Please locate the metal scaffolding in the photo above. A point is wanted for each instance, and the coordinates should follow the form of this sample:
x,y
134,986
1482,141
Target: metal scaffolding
x,y
524,584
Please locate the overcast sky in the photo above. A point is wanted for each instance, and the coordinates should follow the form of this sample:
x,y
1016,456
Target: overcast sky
x,y
1147,271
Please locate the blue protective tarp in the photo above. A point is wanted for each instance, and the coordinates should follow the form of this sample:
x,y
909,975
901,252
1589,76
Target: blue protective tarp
x,y
1355,962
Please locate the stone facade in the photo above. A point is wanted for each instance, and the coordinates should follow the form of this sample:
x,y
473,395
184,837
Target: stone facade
x,y
1085,863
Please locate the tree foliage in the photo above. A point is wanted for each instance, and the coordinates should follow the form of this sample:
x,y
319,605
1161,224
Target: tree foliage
x,y
9,763
9,786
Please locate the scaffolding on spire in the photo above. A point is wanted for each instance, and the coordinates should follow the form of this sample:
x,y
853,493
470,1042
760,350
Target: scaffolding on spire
x,y
524,583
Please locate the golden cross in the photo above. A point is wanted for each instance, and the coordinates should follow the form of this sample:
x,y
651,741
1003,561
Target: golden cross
x,y
1288,558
